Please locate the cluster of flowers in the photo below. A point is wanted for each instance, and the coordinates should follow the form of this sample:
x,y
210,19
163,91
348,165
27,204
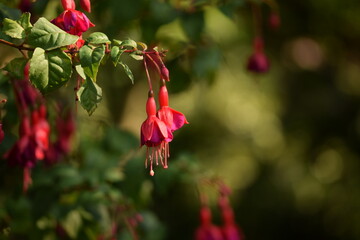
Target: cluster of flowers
x,y
157,130
228,231
34,131
74,22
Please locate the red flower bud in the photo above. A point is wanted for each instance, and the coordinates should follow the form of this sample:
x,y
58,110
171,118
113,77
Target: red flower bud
x,y
86,5
68,4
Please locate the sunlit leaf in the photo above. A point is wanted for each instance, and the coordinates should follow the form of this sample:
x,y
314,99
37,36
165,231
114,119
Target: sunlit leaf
x,y
13,29
128,43
90,94
97,38
48,36
49,70
90,59
116,54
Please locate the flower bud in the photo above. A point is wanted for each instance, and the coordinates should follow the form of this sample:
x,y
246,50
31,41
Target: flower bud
x,y
86,5
68,4
151,106
163,96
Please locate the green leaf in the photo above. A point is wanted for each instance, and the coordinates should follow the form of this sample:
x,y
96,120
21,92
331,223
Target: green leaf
x,y
137,55
24,21
80,71
143,45
72,223
49,70
90,59
90,94
13,29
48,36
116,54
128,43
128,72
97,38
7,12
117,42
16,67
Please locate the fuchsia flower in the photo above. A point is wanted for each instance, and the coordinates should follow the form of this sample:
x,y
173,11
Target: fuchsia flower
x,y
173,119
207,230
258,62
155,135
2,134
34,129
73,22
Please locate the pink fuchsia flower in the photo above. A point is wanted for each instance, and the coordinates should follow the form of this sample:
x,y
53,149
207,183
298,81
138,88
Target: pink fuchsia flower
x,y
172,118
207,230
229,229
73,22
2,134
258,62
155,135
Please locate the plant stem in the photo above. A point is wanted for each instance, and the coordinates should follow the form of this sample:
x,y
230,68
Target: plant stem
x,y
20,47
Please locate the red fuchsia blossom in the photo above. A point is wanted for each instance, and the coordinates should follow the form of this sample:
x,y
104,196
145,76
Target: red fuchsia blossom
x,y
34,130
85,4
155,135
274,20
229,229
73,22
207,230
258,62
172,118
65,129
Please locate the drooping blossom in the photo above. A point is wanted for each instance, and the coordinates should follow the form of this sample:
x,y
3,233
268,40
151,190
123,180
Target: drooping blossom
x,y
155,135
258,62
65,129
207,230
172,118
73,22
34,130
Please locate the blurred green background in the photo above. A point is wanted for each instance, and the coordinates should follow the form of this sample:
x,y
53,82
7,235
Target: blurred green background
x,y
287,142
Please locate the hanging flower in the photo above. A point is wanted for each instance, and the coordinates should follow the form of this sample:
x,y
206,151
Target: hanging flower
x,y
73,22
172,118
207,230
155,135
258,62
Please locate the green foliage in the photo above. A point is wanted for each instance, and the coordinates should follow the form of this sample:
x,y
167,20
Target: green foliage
x,y
49,70
90,59
13,29
97,38
16,67
128,71
48,36
90,95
